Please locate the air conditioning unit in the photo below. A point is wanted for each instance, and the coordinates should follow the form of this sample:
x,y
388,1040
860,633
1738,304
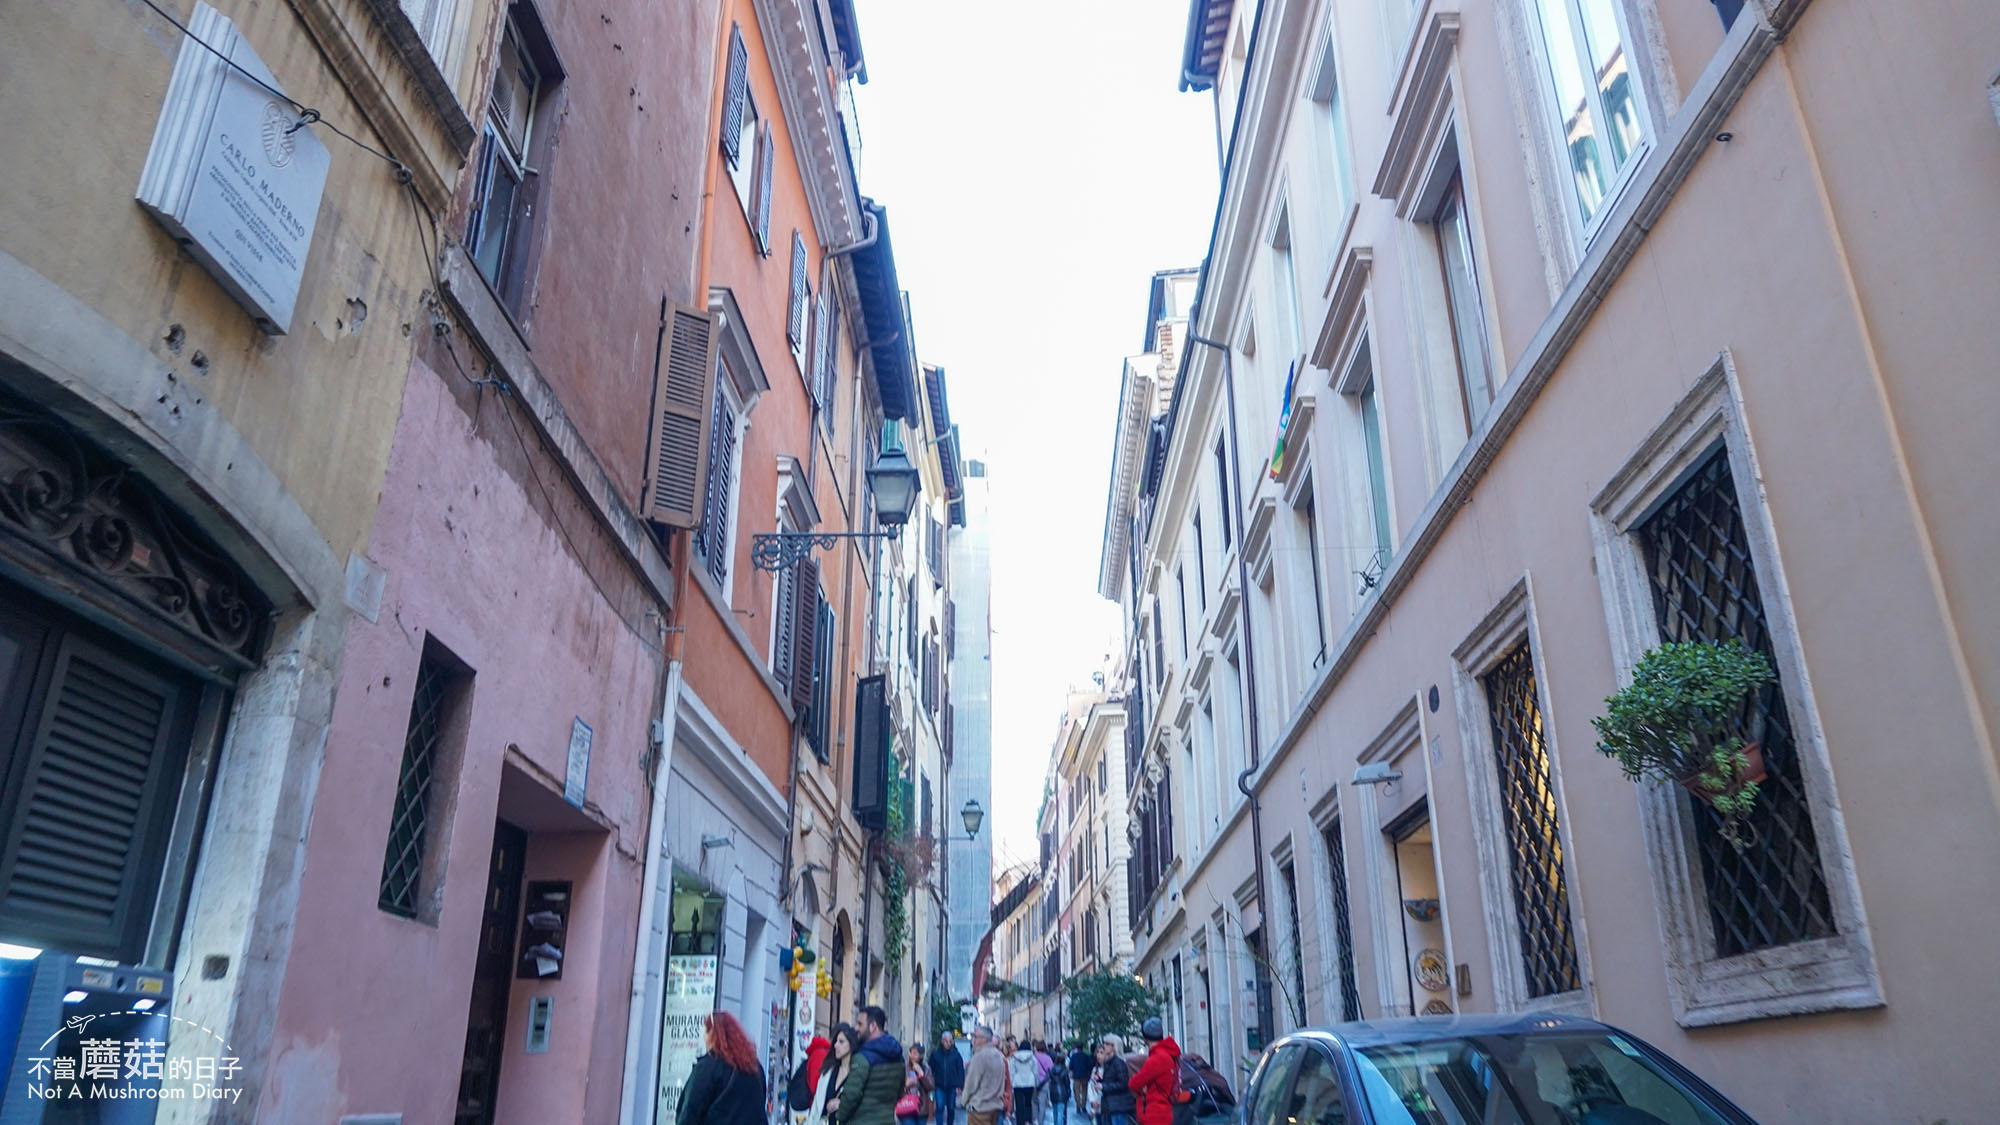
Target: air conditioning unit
x,y
84,1039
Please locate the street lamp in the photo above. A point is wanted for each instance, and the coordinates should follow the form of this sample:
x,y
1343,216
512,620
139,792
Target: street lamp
x,y
973,816
893,482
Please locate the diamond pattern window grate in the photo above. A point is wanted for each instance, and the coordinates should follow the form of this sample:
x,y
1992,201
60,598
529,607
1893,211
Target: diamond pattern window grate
x,y
1343,925
1704,586
409,824
1534,827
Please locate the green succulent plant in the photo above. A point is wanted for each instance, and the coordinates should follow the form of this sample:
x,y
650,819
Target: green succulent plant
x,y
1677,721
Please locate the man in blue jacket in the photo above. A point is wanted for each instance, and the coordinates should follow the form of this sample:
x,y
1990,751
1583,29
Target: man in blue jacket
x,y
948,1075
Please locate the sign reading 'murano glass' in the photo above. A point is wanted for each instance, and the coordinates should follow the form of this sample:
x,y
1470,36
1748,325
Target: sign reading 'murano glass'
x,y
230,176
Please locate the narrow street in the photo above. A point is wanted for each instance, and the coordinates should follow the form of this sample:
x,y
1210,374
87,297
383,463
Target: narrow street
x,y
883,562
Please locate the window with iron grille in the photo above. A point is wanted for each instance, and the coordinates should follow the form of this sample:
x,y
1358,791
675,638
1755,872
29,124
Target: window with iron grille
x,y
1704,586
1533,826
1295,957
1343,925
407,859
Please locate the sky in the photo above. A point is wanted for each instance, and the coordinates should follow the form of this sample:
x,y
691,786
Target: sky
x,y
1038,164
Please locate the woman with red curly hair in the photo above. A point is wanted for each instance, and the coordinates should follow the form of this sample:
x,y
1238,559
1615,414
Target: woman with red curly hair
x,y
726,1086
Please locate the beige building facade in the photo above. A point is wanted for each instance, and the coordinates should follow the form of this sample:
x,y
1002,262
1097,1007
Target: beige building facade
x,y
1607,323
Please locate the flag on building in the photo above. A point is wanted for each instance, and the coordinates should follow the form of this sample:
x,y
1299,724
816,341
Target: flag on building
x,y
1284,420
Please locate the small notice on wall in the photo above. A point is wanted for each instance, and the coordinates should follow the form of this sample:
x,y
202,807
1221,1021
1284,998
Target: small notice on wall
x,y
233,174
579,762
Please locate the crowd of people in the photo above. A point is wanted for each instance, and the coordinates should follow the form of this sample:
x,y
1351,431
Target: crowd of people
x,y
864,1076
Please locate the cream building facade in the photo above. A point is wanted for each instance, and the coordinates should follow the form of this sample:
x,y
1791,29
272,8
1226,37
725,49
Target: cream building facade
x,y
1606,322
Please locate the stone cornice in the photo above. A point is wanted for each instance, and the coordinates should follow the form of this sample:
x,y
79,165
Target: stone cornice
x,y
812,118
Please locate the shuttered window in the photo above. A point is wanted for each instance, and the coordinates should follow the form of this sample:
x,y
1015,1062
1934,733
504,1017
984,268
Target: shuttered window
x,y
93,745
825,342
934,549
760,213
714,537
677,465
735,90
801,300
819,725
803,643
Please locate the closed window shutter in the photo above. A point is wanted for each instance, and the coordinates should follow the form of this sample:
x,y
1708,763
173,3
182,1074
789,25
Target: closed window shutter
x,y
805,634
783,626
82,857
822,357
950,629
822,682
795,324
682,434
721,471
763,209
734,90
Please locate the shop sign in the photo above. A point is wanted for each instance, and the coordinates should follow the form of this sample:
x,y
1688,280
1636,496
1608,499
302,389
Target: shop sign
x,y
577,768
684,1009
232,175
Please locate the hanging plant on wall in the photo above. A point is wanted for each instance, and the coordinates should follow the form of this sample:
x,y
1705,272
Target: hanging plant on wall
x,y
895,883
1681,720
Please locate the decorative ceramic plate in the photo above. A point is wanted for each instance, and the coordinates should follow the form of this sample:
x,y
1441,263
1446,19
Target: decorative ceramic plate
x,y
1432,972
1422,909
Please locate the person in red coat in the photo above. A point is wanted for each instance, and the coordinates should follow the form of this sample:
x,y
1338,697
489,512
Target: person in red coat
x,y
1157,1079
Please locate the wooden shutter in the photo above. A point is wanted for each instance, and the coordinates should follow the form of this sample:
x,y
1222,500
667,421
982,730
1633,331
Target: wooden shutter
x,y
783,598
821,378
676,468
721,487
950,629
805,634
763,208
80,863
871,753
795,312
734,90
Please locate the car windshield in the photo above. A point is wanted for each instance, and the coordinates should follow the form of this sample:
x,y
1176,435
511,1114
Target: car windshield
x,y
1543,1078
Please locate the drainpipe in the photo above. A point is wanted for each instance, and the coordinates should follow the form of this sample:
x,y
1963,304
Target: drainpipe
x,y
871,232
1249,660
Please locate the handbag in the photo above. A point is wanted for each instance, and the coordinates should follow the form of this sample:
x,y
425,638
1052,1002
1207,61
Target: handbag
x,y
908,1104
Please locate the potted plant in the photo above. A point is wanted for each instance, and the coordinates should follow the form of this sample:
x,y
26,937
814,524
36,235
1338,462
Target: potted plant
x,y
1678,721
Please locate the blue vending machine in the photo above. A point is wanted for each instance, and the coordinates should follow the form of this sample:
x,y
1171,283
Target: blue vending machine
x,y
64,1019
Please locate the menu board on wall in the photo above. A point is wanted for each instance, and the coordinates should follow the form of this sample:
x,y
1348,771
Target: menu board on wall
x,y
689,998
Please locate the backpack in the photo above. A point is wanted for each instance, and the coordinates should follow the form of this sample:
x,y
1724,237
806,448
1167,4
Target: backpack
x,y
1181,1098
799,1094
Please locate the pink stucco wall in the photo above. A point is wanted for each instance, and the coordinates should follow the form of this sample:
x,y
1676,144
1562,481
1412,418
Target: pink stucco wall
x,y
373,1015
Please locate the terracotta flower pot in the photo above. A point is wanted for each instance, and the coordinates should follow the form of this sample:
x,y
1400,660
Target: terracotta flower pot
x,y
1752,772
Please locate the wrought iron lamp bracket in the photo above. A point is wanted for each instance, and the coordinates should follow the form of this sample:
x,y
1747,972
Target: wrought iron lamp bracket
x,y
785,549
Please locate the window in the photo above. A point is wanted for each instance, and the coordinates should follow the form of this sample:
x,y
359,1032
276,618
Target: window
x,y
1222,486
1532,827
1284,283
432,19
1598,114
496,234
1293,958
714,539
1159,648
414,849
820,722
746,142
1308,519
1343,922
800,304
1461,290
1200,564
825,356
1316,1094
1180,587
1704,585
1338,171
1361,377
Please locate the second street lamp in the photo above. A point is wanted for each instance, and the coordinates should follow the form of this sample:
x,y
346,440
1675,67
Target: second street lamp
x,y
893,483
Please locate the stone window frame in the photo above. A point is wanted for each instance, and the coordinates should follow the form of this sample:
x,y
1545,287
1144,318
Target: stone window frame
x,y
1826,974
1510,623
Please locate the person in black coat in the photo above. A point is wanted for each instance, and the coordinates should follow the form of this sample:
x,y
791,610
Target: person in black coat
x,y
948,1072
726,1086
1116,1104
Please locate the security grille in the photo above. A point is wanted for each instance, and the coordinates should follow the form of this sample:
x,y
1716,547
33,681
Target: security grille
x,y
1534,828
1343,926
403,860
1705,589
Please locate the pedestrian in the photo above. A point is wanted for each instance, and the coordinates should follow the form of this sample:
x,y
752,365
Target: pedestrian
x,y
726,1086
834,1070
1080,1065
917,1087
1023,1076
1114,1083
1057,1085
875,1077
985,1080
948,1073
1043,1061
1156,1086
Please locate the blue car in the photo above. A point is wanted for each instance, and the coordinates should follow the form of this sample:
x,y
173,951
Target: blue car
x,y
1522,1069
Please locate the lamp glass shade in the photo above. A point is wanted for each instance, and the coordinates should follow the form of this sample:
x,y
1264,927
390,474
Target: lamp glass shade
x,y
973,816
894,483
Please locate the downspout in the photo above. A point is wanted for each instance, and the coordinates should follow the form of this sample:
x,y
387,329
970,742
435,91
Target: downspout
x,y
868,225
1249,658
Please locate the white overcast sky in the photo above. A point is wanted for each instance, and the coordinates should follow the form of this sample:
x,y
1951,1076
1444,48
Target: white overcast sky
x,y
1038,164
